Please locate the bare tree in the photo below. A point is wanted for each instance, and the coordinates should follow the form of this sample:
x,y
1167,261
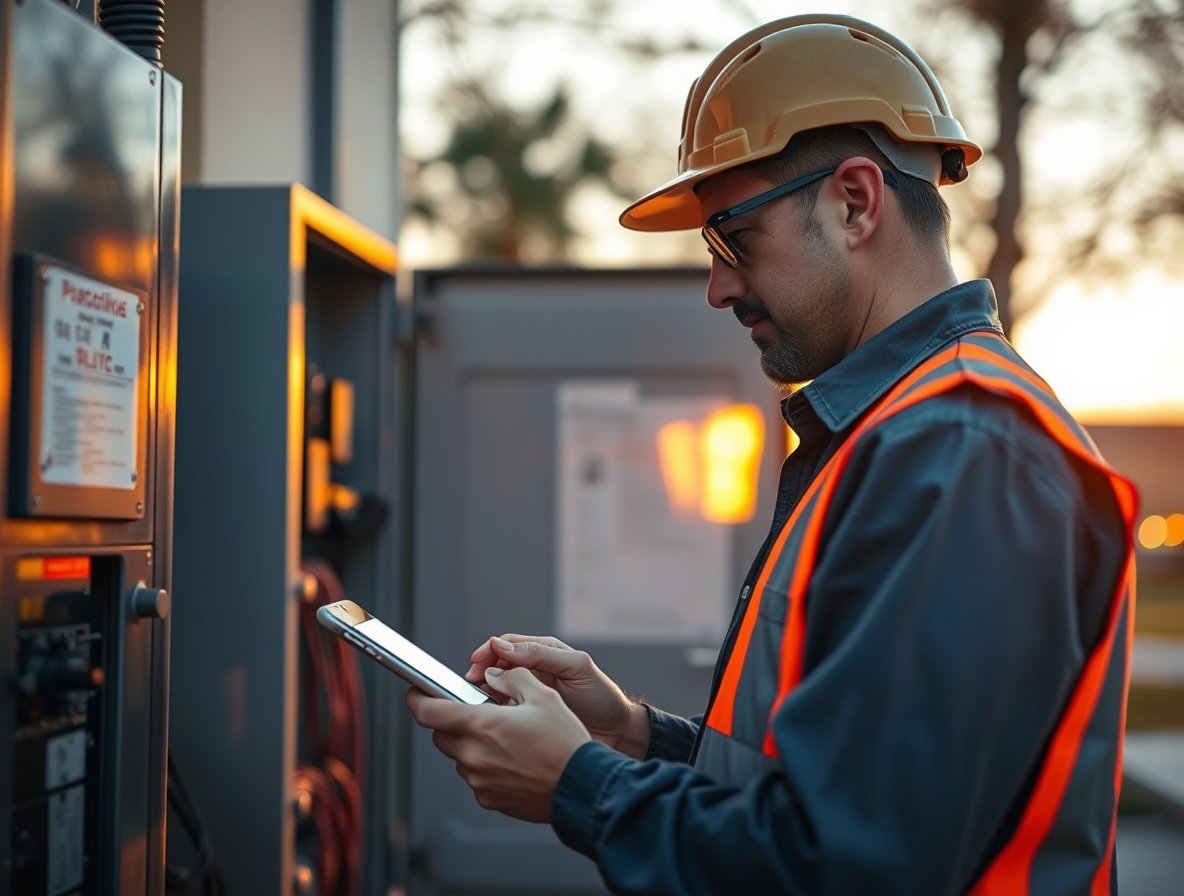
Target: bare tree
x,y
1033,40
1144,196
512,174
506,177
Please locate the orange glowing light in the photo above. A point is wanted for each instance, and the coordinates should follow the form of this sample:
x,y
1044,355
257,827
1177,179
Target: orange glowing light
x,y
731,441
345,500
677,458
1153,532
1174,534
711,468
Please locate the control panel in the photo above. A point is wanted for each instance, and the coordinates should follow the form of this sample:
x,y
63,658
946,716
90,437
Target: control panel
x,y
59,732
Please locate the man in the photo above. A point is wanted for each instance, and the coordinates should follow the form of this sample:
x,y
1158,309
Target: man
x,y
923,686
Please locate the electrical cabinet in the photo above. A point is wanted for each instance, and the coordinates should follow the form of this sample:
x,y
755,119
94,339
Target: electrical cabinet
x,y
286,332
89,172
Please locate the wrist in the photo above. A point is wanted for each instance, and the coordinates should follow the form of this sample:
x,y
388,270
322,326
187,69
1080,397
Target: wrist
x,y
634,740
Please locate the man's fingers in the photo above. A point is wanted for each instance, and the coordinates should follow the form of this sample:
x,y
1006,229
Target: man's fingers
x,y
438,713
448,744
476,672
560,661
545,640
483,653
516,684
497,650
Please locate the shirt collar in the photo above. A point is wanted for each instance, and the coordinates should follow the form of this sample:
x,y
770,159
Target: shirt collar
x,y
840,395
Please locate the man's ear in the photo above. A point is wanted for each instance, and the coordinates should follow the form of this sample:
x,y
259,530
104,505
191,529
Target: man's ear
x,y
861,188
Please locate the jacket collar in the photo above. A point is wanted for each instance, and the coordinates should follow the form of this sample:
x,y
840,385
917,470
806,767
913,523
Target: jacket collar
x,y
840,395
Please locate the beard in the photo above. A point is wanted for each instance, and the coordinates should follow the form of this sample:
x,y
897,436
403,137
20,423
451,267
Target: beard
x,y
786,361
804,349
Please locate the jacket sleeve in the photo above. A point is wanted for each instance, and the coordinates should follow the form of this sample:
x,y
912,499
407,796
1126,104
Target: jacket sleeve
x,y
943,635
671,737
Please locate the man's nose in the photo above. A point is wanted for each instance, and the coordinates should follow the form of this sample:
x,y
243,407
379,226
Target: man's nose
x,y
725,286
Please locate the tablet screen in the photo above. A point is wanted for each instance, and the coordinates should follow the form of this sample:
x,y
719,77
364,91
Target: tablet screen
x,y
398,646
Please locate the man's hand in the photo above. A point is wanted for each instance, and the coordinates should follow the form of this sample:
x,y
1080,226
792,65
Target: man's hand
x,y
608,714
512,756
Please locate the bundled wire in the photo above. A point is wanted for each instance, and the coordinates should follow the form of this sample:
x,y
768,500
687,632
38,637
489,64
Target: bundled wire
x,y
335,719
204,869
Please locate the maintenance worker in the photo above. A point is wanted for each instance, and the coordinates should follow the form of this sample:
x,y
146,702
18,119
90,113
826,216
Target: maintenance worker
x,y
922,690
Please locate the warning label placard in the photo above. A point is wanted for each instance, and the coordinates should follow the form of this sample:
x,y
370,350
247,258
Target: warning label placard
x,y
90,372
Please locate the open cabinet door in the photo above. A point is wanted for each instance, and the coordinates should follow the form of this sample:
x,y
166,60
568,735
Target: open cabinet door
x,y
561,485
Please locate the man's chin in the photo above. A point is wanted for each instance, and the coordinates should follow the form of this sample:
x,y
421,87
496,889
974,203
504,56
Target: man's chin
x,y
783,380
784,373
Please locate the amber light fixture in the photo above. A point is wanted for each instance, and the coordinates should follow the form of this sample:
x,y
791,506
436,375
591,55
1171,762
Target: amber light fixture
x,y
710,468
1162,532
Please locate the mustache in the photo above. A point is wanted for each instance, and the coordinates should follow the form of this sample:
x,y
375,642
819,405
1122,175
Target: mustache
x,y
748,308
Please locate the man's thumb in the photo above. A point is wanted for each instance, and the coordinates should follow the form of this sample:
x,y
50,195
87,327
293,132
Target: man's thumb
x,y
514,683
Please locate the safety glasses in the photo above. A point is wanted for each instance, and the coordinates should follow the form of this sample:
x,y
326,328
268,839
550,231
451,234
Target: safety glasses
x,y
721,244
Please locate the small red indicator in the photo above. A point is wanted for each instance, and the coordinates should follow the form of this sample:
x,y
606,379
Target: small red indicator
x,y
44,569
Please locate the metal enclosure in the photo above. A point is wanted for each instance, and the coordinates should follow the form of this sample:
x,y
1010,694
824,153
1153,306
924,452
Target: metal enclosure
x,y
89,174
274,282
498,351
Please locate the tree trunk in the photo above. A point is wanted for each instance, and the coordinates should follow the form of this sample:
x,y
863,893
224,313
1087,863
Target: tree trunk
x,y
1011,100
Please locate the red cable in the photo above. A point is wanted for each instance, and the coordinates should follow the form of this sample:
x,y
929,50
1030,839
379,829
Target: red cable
x,y
335,784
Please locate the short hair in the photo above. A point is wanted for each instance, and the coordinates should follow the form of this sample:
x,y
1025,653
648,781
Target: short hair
x,y
925,212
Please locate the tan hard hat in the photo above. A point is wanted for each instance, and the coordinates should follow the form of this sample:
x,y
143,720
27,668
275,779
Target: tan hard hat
x,y
792,75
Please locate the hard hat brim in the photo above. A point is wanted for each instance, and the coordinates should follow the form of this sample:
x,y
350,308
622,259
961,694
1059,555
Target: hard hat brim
x,y
672,206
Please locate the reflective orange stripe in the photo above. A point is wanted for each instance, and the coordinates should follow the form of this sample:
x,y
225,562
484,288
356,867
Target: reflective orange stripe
x,y
794,640
723,707
1101,882
1124,493
721,714
1010,873
979,353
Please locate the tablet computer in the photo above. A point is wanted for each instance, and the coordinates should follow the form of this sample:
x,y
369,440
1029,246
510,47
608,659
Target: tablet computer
x,y
385,645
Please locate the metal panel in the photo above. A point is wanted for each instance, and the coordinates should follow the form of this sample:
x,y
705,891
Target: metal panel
x,y
138,718
497,345
162,448
85,157
83,154
273,280
233,684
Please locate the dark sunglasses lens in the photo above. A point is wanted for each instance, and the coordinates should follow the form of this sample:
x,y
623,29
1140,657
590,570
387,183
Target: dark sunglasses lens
x,y
719,245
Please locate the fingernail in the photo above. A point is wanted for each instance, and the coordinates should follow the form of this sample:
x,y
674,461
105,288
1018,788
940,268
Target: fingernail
x,y
503,645
491,672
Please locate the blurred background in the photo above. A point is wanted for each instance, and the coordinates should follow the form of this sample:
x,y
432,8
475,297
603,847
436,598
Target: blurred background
x,y
405,353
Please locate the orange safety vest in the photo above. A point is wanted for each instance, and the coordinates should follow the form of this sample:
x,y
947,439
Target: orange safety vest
x,y
986,360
